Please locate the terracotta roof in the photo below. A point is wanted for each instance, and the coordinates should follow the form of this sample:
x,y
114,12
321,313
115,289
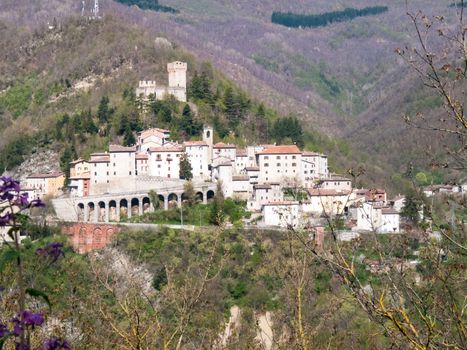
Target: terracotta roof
x,y
311,154
142,156
224,145
337,178
119,148
285,149
389,211
241,152
283,203
78,161
195,143
83,176
327,192
100,159
240,178
262,187
252,168
45,176
154,132
166,149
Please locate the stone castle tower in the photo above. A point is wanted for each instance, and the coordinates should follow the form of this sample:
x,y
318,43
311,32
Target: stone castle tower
x,y
177,84
177,79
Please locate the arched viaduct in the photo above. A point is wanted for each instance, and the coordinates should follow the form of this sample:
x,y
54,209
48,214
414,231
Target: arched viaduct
x,y
114,207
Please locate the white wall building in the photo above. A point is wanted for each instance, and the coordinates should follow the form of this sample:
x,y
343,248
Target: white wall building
x,y
278,163
154,137
198,155
165,161
100,173
282,214
336,183
122,161
224,150
378,219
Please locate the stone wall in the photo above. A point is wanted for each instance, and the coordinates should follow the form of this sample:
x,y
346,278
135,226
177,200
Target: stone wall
x,y
86,237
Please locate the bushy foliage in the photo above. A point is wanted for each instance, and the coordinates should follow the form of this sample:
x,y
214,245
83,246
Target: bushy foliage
x,y
297,20
149,5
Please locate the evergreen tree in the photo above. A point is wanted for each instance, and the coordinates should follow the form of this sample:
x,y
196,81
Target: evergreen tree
x,y
190,126
68,155
185,168
288,127
413,205
189,194
231,107
129,138
217,209
103,112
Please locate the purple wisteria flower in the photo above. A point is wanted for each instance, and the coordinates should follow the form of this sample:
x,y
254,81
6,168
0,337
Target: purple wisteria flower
x,y
20,346
55,343
3,330
26,319
52,250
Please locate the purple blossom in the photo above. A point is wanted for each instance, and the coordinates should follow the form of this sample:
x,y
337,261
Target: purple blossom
x,y
24,319
9,184
23,200
3,330
37,203
6,219
19,346
55,343
52,250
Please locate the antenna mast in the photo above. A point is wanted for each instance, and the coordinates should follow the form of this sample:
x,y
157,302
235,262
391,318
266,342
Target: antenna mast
x,y
96,9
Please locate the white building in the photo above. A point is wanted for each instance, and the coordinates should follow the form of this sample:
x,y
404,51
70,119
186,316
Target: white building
x,y
165,161
327,202
123,161
278,163
336,183
224,173
49,184
177,84
314,166
99,165
378,219
241,160
198,155
264,194
142,164
224,150
154,137
282,214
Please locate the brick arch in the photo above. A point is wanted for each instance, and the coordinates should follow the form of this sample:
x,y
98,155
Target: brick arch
x,y
88,237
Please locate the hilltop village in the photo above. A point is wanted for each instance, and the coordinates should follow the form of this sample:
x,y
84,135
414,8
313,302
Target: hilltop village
x,y
282,185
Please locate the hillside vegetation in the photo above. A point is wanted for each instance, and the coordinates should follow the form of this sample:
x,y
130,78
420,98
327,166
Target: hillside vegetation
x,y
295,20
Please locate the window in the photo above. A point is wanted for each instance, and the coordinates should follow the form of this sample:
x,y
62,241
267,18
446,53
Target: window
x,y
278,157
115,173
114,164
266,157
107,173
95,173
294,164
278,164
130,172
293,157
266,164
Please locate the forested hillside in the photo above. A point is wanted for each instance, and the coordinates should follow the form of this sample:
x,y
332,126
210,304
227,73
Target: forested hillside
x,y
295,20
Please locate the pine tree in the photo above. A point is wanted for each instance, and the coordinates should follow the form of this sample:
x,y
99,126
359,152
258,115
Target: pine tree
x,y
103,112
217,209
68,155
185,168
189,194
129,138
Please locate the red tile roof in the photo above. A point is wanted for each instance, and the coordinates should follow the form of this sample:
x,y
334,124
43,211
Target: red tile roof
x,y
285,149
195,143
154,132
224,145
241,152
119,148
240,178
327,192
283,203
45,176
166,149
142,156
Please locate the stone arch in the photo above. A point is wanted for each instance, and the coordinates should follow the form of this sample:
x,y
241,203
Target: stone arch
x,y
210,194
173,200
91,211
113,210
124,208
101,211
134,206
80,211
97,237
146,204
199,197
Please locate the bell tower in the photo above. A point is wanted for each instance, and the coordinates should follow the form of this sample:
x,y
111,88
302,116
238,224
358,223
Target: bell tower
x,y
208,137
